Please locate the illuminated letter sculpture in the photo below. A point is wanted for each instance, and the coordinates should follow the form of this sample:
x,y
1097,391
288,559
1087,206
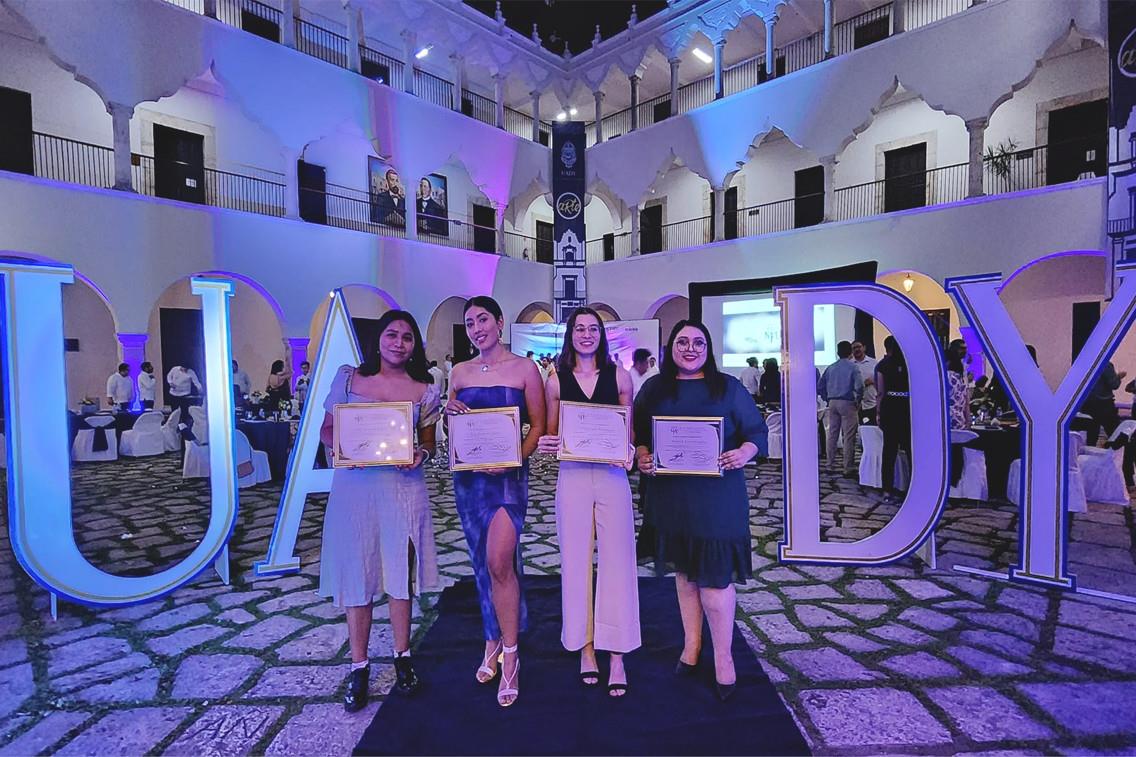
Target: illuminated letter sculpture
x,y
39,492
1045,414
914,521
337,347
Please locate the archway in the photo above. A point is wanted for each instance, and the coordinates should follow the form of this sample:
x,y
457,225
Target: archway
x,y
606,312
536,312
929,296
439,334
365,303
668,311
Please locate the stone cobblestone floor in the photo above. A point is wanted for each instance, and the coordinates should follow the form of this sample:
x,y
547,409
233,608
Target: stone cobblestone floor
x,y
897,659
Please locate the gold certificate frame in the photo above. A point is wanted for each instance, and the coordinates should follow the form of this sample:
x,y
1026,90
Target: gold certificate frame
x,y
485,438
608,433
681,445
368,434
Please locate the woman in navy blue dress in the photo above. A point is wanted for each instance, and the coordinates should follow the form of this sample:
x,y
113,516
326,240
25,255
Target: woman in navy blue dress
x,y
492,503
702,522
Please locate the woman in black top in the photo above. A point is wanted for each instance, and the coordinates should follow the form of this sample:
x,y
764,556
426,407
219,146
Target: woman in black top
x,y
893,413
769,386
593,500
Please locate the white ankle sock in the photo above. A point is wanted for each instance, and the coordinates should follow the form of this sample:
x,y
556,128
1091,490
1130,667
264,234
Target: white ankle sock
x,y
359,665
402,654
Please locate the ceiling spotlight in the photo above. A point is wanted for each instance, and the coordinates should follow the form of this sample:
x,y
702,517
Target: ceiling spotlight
x,y
908,283
572,111
701,55
561,116
423,52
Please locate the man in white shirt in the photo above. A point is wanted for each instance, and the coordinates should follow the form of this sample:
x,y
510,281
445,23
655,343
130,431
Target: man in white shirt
x,y
439,377
182,382
120,389
641,370
867,367
241,381
751,377
147,386
303,381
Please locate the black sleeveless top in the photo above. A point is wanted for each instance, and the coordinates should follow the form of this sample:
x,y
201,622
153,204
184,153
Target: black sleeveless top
x,y
606,391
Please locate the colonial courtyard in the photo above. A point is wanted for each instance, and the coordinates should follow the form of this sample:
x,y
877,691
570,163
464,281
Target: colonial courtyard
x,y
896,659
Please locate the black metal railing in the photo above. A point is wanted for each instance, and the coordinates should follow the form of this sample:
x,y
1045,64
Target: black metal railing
x,y
239,13
520,246
517,123
455,232
917,13
323,44
915,190
770,217
380,67
354,209
72,161
197,6
433,89
608,247
221,189
479,107
674,236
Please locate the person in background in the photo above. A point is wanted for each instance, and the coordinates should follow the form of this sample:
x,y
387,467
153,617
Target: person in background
x,y
120,389
1101,404
841,387
531,355
303,382
183,382
448,368
614,358
958,390
641,369
702,523
893,413
769,387
378,537
438,376
867,366
279,388
241,382
593,499
751,378
651,363
147,386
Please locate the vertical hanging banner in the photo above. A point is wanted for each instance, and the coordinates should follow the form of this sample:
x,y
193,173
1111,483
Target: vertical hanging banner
x,y
569,288
1121,223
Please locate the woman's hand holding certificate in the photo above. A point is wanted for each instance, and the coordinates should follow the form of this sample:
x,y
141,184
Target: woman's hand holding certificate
x,y
687,446
594,433
485,439
373,433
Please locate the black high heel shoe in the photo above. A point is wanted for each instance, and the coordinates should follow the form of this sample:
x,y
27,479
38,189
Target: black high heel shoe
x,y
725,690
356,697
682,669
406,680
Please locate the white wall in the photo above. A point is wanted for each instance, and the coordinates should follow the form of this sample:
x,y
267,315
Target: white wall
x,y
86,318
768,175
686,195
439,334
597,218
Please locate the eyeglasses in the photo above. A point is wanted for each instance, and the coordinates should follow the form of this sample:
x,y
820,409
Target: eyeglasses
x,y
698,345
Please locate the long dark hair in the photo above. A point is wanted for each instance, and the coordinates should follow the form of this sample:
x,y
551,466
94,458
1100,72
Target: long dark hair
x,y
416,367
668,370
277,367
567,362
954,356
484,301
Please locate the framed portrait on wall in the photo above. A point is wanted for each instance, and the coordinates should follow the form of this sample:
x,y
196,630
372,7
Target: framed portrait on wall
x,y
388,196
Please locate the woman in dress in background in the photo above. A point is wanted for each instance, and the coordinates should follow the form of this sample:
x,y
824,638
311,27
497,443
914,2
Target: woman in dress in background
x,y
492,503
702,521
378,537
893,414
593,508
958,389
279,387
769,385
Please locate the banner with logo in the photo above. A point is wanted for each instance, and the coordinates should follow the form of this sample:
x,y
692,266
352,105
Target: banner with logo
x,y
569,287
1121,158
623,338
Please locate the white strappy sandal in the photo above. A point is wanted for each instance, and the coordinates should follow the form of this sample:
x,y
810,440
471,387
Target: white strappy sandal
x,y
510,689
487,671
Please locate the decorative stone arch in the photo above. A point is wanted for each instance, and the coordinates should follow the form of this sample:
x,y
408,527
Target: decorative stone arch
x,y
607,312
439,331
364,302
668,310
536,312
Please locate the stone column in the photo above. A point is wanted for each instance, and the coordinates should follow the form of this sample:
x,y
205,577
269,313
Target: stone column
x,y
210,8
719,83
828,163
500,213
829,22
898,16
635,229
409,48
120,116
770,57
674,62
291,184
459,80
354,36
297,347
133,350
719,219
288,22
535,95
976,131
499,98
634,79
410,187
599,115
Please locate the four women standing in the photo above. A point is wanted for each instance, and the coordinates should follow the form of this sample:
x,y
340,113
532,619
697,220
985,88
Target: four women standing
x,y
378,537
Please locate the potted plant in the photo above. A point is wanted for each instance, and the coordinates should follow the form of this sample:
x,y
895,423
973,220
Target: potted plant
x,y
997,159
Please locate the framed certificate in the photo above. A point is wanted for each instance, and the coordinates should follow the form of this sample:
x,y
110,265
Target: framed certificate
x,y
373,433
485,438
687,446
591,433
